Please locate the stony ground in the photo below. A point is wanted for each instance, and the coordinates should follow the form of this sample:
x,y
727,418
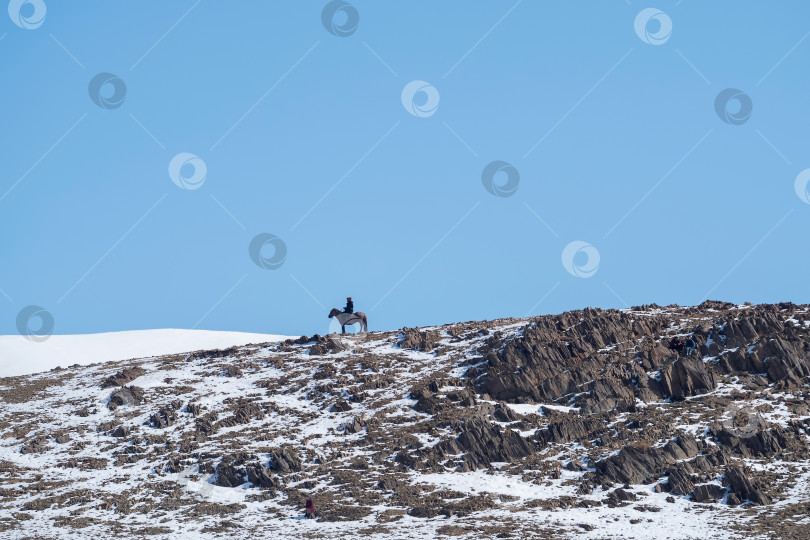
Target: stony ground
x,y
580,425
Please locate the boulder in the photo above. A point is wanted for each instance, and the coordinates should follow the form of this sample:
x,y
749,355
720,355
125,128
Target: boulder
x,y
708,493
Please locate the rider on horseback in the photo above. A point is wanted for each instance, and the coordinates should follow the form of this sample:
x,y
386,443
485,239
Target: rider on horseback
x,y
348,316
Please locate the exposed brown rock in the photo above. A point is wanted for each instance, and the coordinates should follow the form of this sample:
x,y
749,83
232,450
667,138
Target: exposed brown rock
x,y
123,377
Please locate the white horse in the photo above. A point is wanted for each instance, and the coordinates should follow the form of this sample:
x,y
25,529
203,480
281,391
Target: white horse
x,y
349,318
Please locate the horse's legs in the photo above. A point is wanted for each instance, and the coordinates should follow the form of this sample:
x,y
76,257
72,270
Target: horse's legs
x,y
343,329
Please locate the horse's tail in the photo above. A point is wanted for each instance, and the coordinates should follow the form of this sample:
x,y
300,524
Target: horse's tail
x,y
365,322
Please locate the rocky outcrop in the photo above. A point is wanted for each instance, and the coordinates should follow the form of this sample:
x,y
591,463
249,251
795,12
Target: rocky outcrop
x,y
679,481
127,395
557,355
688,376
570,429
708,493
121,431
761,440
605,395
165,416
637,464
229,476
483,443
243,413
739,483
327,345
123,377
284,460
592,401
261,477
419,340
35,446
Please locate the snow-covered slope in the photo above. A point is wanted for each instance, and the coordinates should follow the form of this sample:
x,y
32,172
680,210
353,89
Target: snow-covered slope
x,y
20,356
580,425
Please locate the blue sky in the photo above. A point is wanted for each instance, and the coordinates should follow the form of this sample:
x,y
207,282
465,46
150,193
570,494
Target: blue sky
x,y
612,137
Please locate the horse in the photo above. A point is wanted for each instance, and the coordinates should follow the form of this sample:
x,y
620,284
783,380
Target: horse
x,y
349,318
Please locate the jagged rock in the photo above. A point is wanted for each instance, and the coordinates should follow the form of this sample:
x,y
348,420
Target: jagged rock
x,y
741,485
388,484
259,476
127,395
482,443
232,371
229,476
244,413
85,463
165,417
303,340
682,447
504,414
557,354
569,429
123,377
708,493
327,345
284,460
341,406
354,426
63,438
688,376
194,408
679,481
121,431
607,395
786,361
206,423
637,464
622,495
415,339
462,398
575,465
217,353
35,446
760,439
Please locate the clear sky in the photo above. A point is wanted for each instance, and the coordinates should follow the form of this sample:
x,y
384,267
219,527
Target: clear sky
x,y
351,144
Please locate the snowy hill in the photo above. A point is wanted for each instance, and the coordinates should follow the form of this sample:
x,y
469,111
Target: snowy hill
x,y
21,356
583,424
